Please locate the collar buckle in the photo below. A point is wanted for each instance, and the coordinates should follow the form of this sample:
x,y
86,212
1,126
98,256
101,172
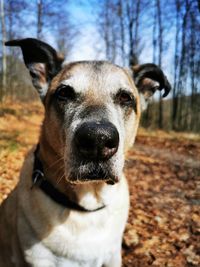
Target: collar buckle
x,y
38,176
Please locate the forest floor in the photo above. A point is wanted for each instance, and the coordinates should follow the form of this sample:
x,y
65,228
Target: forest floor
x,y
163,171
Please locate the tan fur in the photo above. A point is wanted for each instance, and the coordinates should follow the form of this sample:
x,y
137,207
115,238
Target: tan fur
x,y
30,219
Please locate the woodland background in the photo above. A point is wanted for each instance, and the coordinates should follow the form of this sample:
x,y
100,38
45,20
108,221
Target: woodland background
x,y
163,167
126,32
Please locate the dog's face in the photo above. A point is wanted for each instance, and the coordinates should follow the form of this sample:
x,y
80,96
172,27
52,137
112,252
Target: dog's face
x,y
92,109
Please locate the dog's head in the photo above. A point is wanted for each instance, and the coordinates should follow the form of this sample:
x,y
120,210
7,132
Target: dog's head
x,y
92,109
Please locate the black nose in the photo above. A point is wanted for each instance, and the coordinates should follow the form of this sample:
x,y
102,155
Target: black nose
x,y
96,140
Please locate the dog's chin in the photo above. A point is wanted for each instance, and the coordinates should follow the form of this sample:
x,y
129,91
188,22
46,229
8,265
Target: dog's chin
x,y
93,175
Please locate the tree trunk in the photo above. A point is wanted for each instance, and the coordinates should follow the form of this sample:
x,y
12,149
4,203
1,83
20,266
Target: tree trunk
x,y
106,30
176,67
182,78
154,35
122,31
4,63
130,33
137,25
39,18
194,103
160,53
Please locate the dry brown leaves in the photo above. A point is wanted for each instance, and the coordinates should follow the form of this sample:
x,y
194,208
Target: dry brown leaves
x,y
163,171
19,130
164,222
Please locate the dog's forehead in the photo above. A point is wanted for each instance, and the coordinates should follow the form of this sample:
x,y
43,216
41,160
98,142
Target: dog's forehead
x,y
96,75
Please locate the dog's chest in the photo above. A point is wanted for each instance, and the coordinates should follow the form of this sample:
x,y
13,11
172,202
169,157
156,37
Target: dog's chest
x,y
76,239
86,237
85,241
63,262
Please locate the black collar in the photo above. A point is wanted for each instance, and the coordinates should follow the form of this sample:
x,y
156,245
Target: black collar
x,y
39,180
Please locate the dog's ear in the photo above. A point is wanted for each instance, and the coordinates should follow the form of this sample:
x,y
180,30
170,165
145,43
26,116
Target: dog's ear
x,y
42,61
148,78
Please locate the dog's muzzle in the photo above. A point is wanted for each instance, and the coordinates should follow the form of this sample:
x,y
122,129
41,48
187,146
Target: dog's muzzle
x,y
94,145
96,141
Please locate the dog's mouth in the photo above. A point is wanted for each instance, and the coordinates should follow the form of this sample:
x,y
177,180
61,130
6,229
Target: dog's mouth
x,y
92,172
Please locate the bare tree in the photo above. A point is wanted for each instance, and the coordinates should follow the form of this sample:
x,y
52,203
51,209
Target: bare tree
x,y
122,30
176,65
65,35
160,55
154,41
40,7
4,62
118,24
186,99
47,16
109,27
182,79
133,12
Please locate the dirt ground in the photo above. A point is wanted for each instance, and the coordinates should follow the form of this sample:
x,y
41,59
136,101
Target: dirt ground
x,y
163,171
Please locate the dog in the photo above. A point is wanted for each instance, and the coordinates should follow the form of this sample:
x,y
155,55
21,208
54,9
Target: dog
x,y
71,204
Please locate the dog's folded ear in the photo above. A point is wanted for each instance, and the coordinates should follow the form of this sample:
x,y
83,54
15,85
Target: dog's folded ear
x,y
148,78
42,61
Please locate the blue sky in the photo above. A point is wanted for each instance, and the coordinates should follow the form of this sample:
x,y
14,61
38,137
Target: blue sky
x,y
82,13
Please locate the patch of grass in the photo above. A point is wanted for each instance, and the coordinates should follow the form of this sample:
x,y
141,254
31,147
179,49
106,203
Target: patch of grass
x,y
9,145
8,141
13,146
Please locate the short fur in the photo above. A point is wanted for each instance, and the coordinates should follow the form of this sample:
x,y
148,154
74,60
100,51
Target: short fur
x,y
34,229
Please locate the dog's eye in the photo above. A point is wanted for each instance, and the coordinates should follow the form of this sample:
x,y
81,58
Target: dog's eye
x,y
124,98
65,93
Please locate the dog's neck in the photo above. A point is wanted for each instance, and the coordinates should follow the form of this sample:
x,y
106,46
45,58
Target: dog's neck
x,y
90,196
